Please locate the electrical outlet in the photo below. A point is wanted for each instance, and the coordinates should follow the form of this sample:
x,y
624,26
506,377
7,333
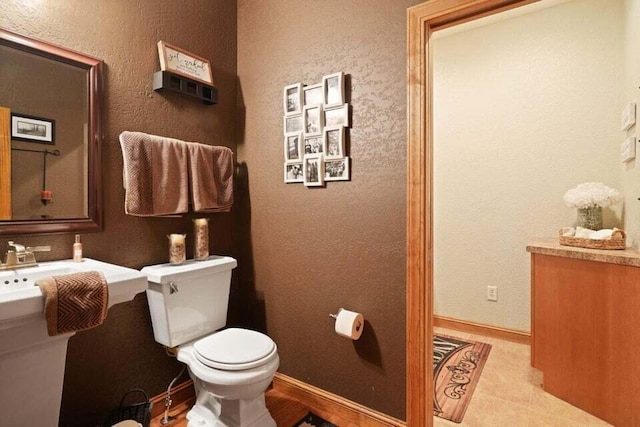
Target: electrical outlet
x,y
492,293
628,116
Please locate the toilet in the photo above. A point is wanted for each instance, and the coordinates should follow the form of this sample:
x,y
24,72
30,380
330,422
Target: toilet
x,y
230,368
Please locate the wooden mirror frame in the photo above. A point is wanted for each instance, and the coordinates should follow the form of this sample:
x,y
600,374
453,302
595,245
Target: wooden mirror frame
x,y
422,20
94,67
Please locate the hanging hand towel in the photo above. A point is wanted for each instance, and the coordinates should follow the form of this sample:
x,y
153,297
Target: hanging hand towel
x,y
74,302
154,174
211,174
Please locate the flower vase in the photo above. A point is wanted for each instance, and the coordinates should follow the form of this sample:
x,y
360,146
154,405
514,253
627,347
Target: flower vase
x,y
590,218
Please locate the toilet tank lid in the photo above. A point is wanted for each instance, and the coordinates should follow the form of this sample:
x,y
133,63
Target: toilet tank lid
x,y
235,346
161,273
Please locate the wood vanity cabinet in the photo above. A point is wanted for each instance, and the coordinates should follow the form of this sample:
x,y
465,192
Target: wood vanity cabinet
x,y
585,328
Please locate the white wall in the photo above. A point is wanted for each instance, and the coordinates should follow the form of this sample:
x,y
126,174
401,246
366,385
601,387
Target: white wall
x,y
524,109
630,172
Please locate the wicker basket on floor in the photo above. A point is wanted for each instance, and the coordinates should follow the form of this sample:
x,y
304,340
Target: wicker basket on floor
x,y
617,241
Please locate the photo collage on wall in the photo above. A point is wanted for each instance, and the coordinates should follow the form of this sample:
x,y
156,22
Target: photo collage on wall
x,y
315,121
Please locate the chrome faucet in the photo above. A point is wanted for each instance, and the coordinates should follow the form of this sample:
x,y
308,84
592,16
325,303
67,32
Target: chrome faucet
x,y
19,256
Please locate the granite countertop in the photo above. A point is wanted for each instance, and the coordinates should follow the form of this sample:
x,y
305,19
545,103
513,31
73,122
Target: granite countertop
x,y
551,246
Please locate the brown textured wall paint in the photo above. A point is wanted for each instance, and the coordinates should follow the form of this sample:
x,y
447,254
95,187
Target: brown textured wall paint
x,y
313,251
104,362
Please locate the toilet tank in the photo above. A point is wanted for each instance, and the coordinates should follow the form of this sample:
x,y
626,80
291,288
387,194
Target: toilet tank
x,y
190,300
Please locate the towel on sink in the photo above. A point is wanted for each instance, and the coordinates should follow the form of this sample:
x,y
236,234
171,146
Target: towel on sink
x,y
74,302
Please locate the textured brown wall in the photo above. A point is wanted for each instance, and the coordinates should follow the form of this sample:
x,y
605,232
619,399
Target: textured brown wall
x,y
315,250
104,362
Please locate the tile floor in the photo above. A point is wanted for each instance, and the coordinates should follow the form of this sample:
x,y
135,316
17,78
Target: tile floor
x,y
510,393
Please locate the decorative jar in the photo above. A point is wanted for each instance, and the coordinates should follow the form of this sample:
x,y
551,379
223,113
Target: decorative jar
x,y
177,249
201,238
590,218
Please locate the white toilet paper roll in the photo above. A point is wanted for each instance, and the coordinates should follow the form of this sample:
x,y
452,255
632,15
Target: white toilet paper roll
x,y
349,324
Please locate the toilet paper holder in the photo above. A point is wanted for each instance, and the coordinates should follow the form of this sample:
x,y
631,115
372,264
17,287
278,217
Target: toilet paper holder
x,y
335,316
349,324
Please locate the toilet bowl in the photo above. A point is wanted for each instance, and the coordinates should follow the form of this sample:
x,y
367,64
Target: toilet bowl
x,y
230,368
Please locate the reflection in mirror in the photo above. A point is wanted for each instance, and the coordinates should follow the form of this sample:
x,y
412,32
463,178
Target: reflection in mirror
x,y
50,131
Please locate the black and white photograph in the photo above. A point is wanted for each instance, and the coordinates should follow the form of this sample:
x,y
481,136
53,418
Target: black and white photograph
x,y
313,145
293,172
313,95
32,129
338,116
313,120
336,170
333,88
334,141
293,124
313,170
292,152
293,99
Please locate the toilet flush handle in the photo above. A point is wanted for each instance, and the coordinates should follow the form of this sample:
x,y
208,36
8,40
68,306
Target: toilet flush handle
x,y
173,288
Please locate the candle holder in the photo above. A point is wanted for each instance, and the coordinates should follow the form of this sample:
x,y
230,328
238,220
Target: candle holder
x,y
201,238
177,249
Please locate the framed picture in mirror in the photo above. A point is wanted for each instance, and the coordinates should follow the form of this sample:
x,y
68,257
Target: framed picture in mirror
x,y
32,129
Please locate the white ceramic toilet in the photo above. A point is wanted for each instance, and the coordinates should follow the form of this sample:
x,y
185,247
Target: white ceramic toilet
x,y
232,368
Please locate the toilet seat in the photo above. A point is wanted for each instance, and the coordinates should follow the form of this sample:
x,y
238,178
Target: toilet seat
x,y
235,349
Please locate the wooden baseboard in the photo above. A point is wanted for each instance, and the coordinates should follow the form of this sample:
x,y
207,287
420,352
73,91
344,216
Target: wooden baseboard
x,y
513,335
352,412
182,396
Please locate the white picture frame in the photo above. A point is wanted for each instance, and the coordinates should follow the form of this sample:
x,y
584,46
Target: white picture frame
x,y
313,170
313,145
293,173
333,89
313,120
337,169
337,116
313,95
293,124
293,147
292,99
334,142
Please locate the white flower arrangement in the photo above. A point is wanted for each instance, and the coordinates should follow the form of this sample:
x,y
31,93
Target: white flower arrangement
x,y
591,194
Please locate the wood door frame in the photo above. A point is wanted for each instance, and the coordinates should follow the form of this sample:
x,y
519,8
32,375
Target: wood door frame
x,y
422,20
5,164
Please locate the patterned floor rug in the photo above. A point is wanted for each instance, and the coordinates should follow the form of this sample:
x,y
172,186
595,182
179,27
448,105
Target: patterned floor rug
x,y
313,420
457,366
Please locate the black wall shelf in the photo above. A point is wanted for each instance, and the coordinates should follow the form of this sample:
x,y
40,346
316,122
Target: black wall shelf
x,y
173,82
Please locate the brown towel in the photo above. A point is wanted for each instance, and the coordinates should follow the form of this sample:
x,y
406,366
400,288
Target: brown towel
x,y
74,302
155,175
211,176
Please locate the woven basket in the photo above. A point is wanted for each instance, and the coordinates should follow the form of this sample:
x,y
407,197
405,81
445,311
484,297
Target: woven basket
x,y
140,412
618,241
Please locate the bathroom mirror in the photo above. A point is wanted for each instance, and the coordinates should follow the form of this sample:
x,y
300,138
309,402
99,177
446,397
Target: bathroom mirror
x,y
50,138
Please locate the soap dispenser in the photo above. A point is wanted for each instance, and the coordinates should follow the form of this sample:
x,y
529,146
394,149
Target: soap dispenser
x,y
77,250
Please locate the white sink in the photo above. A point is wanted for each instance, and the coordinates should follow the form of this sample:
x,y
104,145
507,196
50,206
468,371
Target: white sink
x,y
20,298
31,361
